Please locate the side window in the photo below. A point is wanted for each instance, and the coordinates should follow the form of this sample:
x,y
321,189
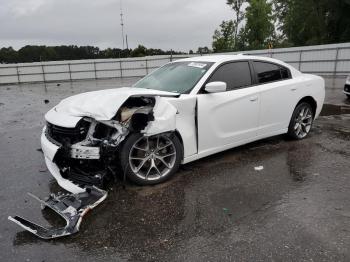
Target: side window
x,y
268,72
236,75
285,73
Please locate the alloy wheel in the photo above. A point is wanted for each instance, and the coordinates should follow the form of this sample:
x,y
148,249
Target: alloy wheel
x,y
303,122
152,158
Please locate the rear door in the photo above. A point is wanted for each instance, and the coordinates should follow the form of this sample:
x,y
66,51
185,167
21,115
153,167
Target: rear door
x,y
231,117
278,95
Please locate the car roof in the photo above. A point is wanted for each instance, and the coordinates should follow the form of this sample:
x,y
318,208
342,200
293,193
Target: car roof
x,y
227,58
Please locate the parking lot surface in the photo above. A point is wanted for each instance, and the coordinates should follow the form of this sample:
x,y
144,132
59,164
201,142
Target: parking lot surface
x,y
295,207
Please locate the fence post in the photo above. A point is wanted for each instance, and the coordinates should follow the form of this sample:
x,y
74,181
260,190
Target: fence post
x,y
18,78
335,66
95,70
121,69
146,67
42,68
70,72
300,57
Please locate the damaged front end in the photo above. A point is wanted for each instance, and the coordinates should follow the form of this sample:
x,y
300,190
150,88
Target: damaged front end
x,y
82,153
88,154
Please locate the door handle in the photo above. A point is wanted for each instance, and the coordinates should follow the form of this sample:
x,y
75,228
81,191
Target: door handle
x,y
253,98
294,89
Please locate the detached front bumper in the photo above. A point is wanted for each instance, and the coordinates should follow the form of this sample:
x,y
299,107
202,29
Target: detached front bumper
x,y
71,207
50,150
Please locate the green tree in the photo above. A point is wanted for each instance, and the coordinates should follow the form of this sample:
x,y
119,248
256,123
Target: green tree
x,y
338,21
311,22
203,50
223,39
241,41
237,7
259,29
8,55
302,22
139,51
31,53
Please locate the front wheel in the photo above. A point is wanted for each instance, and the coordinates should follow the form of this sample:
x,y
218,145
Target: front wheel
x,y
301,121
150,160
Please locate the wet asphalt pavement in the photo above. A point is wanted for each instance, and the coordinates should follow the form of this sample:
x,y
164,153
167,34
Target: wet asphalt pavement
x,y
216,209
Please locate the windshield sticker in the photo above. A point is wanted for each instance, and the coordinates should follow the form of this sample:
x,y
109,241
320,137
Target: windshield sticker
x,y
198,65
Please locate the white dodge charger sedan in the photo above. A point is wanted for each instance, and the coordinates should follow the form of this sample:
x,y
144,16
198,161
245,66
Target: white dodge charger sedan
x,y
185,110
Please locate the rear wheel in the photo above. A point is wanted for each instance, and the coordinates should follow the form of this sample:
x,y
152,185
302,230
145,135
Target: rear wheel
x,y
151,160
301,122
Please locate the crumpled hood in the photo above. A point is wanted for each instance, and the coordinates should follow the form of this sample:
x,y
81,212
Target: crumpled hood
x,y
104,104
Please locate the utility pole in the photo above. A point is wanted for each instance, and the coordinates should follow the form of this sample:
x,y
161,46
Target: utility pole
x,y
127,44
122,22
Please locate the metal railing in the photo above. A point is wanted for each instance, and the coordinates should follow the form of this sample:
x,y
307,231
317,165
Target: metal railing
x,y
331,60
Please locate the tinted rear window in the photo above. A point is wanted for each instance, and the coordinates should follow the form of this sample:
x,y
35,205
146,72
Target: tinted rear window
x,y
267,72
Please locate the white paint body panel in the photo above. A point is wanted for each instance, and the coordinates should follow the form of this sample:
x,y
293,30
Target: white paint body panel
x,y
227,118
186,122
277,103
50,150
164,118
207,123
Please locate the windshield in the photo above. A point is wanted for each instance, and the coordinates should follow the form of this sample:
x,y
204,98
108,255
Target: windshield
x,y
178,77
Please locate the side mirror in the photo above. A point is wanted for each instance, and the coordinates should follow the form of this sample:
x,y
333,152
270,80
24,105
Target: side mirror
x,y
216,87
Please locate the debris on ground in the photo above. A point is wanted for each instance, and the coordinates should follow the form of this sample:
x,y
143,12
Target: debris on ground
x,y
227,211
259,168
71,207
46,101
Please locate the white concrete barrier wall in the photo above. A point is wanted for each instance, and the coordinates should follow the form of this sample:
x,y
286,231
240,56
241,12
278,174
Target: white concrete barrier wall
x,y
325,60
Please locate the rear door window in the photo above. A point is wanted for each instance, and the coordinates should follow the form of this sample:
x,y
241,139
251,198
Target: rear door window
x,y
267,72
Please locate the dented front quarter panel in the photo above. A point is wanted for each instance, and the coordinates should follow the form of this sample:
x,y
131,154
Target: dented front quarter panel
x,y
186,122
164,118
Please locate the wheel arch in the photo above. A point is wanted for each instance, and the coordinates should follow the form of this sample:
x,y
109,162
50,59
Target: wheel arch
x,y
311,101
178,135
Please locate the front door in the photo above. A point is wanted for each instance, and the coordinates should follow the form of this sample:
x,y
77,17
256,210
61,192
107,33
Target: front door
x,y
231,117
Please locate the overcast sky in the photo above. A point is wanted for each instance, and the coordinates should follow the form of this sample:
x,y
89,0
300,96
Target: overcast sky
x,y
177,24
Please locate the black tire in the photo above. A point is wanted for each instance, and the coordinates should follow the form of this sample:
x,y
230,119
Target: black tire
x,y
296,122
126,162
348,96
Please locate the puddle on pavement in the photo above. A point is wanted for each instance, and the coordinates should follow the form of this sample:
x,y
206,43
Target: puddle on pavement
x,y
329,110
